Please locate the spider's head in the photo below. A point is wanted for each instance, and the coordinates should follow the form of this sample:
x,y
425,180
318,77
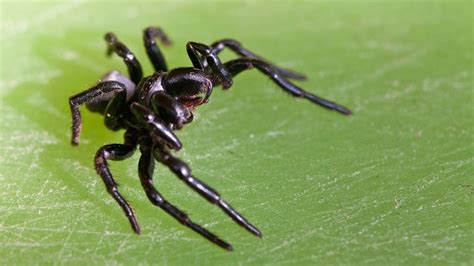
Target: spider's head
x,y
190,88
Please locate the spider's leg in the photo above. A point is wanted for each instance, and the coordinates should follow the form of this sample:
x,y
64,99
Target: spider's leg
x,y
157,126
182,170
145,169
195,49
236,47
133,66
115,152
97,94
154,53
238,65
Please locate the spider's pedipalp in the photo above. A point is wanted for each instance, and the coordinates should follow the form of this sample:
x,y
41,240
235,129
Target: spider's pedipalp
x,y
156,125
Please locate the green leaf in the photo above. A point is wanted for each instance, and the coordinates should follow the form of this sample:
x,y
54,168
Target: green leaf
x,y
391,184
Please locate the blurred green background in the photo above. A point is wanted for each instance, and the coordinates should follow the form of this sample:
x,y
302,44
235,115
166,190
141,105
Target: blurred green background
x,y
391,184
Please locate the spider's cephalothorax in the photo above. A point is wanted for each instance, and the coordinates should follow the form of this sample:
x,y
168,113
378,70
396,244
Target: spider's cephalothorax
x,y
151,108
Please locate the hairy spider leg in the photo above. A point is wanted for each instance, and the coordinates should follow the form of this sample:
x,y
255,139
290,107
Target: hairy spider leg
x,y
236,66
237,48
194,49
97,92
146,167
157,59
134,68
182,170
115,152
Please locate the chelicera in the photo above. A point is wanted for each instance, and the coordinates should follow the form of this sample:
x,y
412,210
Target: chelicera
x,y
151,108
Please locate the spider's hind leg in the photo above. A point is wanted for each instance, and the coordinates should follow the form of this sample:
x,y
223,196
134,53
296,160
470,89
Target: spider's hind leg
x,y
134,68
237,48
106,97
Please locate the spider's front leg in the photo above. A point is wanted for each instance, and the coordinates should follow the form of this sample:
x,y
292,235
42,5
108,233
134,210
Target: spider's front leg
x,y
146,167
236,47
195,49
225,72
237,66
117,152
182,170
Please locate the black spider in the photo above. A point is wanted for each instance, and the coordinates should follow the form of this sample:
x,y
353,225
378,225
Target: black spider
x,y
150,108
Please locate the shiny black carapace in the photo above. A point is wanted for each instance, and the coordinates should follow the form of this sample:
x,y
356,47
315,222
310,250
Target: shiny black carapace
x,y
151,108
